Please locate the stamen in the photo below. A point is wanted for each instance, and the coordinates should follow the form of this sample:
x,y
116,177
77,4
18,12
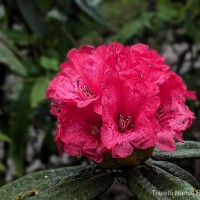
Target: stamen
x,y
95,130
163,115
159,113
88,94
183,121
124,123
56,107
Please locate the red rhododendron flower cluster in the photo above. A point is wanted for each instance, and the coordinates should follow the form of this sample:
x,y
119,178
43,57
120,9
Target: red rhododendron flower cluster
x,y
113,99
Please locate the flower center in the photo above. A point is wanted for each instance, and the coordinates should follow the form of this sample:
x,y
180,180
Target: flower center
x,y
164,115
159,113
95,130
124,123
88,94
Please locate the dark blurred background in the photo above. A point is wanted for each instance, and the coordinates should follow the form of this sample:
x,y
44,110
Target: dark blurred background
x,y
34,38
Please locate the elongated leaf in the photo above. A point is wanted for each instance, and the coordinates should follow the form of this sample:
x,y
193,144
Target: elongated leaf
x,y
2,12
188,145
141,186
18,129
31,13
177,171
91,10
164,181
159,184
186,150
39,181
49,63
5,138
166,12
38,91
2,167
87,188
59,184
129,31
7,40
135,27
8,58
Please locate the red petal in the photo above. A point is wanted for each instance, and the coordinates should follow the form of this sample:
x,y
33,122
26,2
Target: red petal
x,y
75,132
191,95
165,141
122,150
64,86
179,137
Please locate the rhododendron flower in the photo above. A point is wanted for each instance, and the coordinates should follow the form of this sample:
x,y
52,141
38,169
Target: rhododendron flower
x,y
79,79
115,100
173,115
129,109
145,63
79,131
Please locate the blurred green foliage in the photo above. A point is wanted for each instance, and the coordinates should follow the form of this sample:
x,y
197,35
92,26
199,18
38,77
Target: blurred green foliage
x,y
35,36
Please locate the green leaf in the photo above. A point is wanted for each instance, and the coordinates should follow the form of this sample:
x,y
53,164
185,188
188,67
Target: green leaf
x,y
2,12
5,138
2,167
38,91
49,63
65,183
166,12
19,37
84,189
141,186
129,30
186,150
177,171
8,58
91,10
57,15
158,184
18,129
32,14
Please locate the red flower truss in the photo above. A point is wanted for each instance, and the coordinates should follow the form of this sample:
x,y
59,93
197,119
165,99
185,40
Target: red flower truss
x,y
114,99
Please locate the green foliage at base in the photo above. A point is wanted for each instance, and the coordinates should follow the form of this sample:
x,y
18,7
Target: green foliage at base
x,y
36,35
155,180
186,150
65,183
